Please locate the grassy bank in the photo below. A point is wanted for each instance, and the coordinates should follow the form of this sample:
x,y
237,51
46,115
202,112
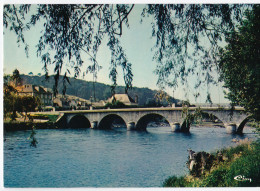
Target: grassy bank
x,y
50,117
241,161
38,121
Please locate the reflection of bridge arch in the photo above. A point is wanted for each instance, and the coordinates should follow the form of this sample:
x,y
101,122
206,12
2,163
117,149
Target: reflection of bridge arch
x,y
147,118
79,121
107,121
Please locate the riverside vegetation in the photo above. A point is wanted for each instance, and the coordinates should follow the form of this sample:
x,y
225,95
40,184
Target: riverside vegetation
x,y
231,167
37,121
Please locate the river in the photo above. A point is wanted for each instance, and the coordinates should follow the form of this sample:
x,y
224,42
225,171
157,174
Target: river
x,y
105,158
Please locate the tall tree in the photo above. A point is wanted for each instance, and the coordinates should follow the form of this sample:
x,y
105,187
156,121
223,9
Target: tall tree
x,y
16,78
239,64
70,30
29,103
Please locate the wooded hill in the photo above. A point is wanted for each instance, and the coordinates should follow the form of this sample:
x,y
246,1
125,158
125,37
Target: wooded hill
x,y
84,89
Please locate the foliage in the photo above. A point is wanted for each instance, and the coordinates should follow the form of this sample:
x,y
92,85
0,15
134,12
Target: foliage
x,y
217,178
248,166
29,103
115,104
189,116
14,102
244,162
241,160
162,97
239,64
176,181
16,78
150,102
9,96
70,30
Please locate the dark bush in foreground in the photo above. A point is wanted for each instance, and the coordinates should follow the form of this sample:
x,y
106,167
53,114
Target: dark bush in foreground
x,y
174,181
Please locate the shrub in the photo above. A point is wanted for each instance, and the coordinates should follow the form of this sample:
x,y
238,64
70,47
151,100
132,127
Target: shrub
x,y
216,179
174,181
116,104
248,166
245,164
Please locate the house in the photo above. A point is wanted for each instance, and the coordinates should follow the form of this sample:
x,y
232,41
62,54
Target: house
x,y
98,104
44,94
124,98
70,102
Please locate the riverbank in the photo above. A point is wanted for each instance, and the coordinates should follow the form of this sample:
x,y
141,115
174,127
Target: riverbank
x,y
18,125
37,120
237,166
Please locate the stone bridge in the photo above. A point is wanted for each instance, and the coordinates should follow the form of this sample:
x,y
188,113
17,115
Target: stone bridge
x,y
138,118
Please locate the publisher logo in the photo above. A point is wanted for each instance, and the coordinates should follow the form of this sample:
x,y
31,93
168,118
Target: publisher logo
x,y
242,178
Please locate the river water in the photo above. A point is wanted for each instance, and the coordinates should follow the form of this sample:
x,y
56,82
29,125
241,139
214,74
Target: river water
x,y
105,158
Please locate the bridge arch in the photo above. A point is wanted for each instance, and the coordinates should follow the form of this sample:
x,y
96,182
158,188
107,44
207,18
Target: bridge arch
x,y
188,120
79,121
107,121
242,125
147,118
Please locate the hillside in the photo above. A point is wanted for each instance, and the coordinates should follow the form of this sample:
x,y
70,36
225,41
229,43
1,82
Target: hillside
x,y
84,89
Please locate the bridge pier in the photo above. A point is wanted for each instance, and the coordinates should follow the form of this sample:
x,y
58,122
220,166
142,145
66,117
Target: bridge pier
x,y
176,127
130,126
231,128
94,125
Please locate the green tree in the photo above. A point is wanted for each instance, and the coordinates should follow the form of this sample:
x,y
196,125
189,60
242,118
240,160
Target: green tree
x,y
162,97
239,64
29,103
9,100
70,30
16,78
115,104
12,101
10,94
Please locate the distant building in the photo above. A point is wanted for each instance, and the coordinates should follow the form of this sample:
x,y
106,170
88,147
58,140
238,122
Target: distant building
x,y
70,102
124,98
98,104
44,94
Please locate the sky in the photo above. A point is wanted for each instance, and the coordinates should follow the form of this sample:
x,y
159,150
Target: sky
x,y
137,43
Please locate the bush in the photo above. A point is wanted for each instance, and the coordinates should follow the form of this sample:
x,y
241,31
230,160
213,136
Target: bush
x,y
246,163
216,179
116,104
248,166
231,152
174,181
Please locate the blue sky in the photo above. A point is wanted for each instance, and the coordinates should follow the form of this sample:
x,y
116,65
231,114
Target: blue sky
x,y
137,43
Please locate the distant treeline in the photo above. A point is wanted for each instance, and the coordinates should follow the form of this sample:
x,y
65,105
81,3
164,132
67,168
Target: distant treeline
x,y
84,89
